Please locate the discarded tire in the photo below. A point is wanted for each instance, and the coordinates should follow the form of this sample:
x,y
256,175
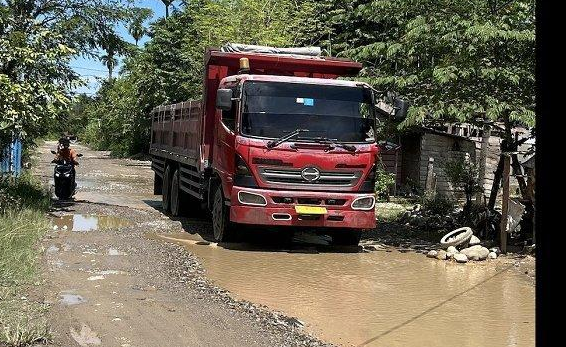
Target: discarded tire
x,y
456,237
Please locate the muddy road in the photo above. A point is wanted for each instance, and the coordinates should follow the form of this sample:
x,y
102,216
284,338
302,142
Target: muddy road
x,y
120,273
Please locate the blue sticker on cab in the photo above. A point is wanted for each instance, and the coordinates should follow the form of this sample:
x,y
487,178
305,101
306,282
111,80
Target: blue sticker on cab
x,y
308,102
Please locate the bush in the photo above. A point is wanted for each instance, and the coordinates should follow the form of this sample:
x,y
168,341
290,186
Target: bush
x,y
464,175
438,204
21,193
383,181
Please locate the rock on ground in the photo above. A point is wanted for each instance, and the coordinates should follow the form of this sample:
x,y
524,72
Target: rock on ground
x,y
474,240
432,254
492,255
452,250
476,252
461,258
441,255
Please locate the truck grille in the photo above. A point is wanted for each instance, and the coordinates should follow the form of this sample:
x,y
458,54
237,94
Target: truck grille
x,y
293,176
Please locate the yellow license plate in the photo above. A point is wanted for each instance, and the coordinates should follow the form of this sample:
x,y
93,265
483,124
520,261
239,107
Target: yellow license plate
x,y
310,209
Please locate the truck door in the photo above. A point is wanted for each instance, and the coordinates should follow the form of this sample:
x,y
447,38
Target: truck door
x,y
224,142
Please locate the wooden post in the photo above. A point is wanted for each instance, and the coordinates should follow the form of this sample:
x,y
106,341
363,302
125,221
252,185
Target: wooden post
x,y
429,184
531,193
396,173
505,202
486,134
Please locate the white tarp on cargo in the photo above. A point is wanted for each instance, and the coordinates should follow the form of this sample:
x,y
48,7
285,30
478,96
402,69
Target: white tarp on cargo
x,y
237,47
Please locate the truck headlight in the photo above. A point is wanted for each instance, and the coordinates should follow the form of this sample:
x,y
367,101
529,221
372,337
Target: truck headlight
x,y
253,199
67,175
364,203
242,174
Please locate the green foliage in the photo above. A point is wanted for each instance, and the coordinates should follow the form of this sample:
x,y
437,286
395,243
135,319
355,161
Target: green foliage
x,y
464,175
24,192
437,204
136,28
383,182
37,41
454,60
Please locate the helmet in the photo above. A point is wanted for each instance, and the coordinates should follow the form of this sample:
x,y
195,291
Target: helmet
x,y
64,141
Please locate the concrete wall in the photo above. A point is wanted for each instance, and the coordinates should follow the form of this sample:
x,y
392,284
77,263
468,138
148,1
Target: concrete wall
x,y
443,148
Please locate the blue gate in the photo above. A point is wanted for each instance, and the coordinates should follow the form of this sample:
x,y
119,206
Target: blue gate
x,y
12,158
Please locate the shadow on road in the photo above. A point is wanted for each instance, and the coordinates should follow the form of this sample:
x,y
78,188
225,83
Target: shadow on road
x,y
261,239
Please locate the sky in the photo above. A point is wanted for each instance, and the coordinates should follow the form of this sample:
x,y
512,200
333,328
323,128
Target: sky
x,y
92,70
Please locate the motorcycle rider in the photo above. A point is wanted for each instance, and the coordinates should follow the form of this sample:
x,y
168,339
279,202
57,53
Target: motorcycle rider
x,y
65,152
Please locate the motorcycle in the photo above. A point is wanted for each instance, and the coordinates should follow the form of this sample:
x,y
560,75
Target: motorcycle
x,y
64,178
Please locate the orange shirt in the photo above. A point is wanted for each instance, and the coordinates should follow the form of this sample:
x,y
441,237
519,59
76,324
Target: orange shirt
x,y
68,154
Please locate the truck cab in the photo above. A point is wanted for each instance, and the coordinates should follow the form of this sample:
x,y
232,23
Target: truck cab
x,y
322,176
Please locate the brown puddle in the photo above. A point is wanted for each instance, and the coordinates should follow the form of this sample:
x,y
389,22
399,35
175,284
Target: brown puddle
x,y
378,298
80,222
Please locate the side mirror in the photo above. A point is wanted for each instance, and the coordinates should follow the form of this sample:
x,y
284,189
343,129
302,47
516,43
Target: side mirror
x,y
401,108
224,99
53,152
79,155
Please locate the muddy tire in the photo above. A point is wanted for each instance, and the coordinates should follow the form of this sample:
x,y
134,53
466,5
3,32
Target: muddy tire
x,y
157,185
461,236
221,225
176,195
166,189
346,237
62,192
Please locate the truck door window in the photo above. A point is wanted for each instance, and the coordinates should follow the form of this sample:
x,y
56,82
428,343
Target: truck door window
x,y
229,117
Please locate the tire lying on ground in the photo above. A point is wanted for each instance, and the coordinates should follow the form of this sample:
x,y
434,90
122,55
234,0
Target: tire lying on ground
x,y
456,237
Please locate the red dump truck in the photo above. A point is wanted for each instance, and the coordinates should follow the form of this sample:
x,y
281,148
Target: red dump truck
x,y
277,140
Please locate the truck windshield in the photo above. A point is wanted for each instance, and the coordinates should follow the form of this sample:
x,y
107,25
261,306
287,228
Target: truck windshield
x,y
274,109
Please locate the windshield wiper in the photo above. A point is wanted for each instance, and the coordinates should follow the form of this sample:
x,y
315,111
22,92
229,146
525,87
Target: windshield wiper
x,y
326,140
275,143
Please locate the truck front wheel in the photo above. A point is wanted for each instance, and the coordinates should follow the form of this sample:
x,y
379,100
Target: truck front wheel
x,y
346,237
221,218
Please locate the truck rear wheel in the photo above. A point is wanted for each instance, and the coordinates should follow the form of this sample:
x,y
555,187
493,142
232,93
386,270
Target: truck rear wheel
x,y
157,185
175,195
166,189
221,225
346,237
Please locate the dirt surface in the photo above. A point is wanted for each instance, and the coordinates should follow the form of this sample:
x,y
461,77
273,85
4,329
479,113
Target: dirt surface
x,y
120,273
115,287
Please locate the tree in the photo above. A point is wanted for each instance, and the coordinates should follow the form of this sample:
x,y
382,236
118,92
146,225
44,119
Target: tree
x,y
469,61
463,174
136,28
167,3
37,40
113,45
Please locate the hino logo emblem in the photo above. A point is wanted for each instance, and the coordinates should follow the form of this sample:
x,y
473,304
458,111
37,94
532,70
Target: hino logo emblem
x,y
310,174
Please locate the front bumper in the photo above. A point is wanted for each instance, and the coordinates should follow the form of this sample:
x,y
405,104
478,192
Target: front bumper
x,y
279,213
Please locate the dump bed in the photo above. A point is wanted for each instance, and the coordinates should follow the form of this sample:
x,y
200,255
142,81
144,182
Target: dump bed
x,y
176,133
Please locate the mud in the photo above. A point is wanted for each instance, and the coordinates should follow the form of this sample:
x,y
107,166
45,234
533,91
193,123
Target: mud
x,y
377,298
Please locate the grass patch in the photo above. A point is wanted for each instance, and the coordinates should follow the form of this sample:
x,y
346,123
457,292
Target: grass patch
x,y
22,224
389,211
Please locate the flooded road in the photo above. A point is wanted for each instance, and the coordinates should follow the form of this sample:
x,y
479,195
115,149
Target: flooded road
x,y
378,298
